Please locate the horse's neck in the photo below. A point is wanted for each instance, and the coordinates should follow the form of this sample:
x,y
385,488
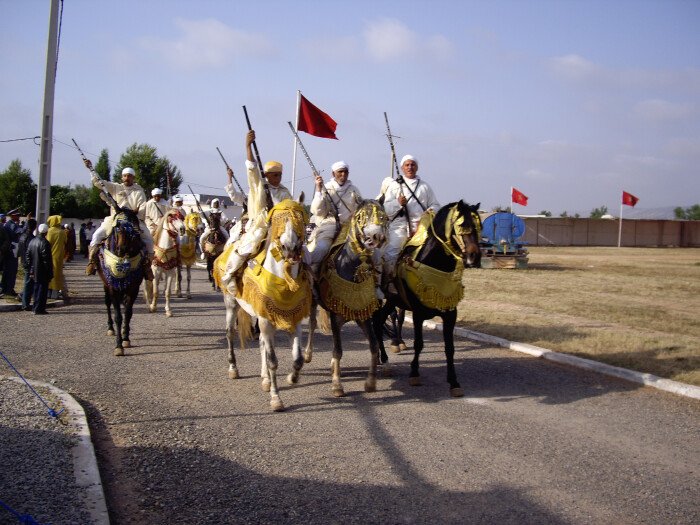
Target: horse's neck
x,y
347,260
276,267
433,254
165,240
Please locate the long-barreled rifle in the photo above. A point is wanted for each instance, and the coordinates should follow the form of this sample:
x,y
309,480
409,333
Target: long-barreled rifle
x,y
199,207
315,172
233,176
108,197
268,195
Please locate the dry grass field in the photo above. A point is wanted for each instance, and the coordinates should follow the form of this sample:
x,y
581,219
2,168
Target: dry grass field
x,y
637,308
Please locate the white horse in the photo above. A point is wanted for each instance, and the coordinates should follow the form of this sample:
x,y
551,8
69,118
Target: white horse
x,y
166,245
274,288
188,249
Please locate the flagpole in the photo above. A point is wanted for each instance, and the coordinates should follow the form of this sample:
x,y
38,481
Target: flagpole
x,y
619,234
511,199
294,155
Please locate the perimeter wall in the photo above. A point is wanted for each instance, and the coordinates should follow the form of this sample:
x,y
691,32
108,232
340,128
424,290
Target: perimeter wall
x,y
550,231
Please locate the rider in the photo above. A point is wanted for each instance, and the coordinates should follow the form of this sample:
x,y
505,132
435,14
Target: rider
x,y
127,195
156,208
405,200
258,206
177,205
215,211
341,197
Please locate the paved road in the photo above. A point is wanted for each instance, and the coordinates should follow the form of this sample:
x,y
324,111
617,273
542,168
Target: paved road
x,y
531,441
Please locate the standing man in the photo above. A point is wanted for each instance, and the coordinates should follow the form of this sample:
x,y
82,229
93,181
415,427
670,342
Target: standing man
x,y
128,195
264,193
39,266
341,198
24,239
82,237
56,236
156,208
405,200
9,271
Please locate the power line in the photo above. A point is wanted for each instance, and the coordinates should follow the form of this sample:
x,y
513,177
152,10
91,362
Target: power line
x,y
25,138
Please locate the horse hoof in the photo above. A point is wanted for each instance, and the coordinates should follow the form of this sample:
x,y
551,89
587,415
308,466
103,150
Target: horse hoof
x,y
265,385
396,349
168,314
152,309
292,378
189,296
110,332
179,295
233,374
402,346
457,392
276,404
118,352
386,371
414,381
338,391
126,343
371,385
307,357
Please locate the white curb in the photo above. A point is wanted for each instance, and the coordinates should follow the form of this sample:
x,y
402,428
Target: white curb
x,y
668,385
87,475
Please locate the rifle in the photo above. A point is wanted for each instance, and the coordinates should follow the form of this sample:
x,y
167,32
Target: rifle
x,y
110,200
245,201
315,172
268,196
199,207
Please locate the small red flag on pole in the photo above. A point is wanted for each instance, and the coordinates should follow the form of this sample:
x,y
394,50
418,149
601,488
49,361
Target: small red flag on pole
x,y
518,197
628,199
314,121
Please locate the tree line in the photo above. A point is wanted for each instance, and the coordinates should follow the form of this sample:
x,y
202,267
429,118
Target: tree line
x,y
18,190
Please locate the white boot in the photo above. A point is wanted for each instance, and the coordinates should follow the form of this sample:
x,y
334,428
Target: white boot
x,y
235,261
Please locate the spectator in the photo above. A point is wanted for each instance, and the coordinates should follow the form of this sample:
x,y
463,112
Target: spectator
x,y
9,271
39,266
4,243
70,241
24,239
83,240
57,239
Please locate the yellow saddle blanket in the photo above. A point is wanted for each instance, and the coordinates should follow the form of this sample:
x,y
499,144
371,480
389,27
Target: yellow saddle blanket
x,y
120,267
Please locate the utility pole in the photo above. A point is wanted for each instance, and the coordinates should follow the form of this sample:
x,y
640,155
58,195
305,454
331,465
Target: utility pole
x,y
44,186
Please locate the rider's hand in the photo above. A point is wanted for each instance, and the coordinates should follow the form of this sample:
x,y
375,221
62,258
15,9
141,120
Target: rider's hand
x,y
402,200
88,164
319,183
250,137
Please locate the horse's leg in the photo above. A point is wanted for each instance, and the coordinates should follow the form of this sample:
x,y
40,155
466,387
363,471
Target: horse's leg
x,y
309,350
267,341
189,277
178,284
264,372
128,312
148,292
400,317
378,320
231,310
116,304
297,356
449,319
169,275
336,385
210,271
414,376
153,306
108,304
368,329
395,337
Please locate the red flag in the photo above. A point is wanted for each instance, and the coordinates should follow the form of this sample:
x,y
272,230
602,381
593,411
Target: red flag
x,y
314,121
518,197
629,199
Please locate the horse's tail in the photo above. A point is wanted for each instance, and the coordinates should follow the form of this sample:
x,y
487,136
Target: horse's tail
x,y
245,327
323,321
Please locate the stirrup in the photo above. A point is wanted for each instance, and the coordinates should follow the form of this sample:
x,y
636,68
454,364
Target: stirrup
x,y
91,268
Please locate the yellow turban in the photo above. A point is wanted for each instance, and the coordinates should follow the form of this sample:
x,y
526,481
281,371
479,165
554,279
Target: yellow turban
x,y
273,167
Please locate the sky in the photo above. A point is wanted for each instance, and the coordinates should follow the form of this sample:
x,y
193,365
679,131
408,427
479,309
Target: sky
x,y
571,102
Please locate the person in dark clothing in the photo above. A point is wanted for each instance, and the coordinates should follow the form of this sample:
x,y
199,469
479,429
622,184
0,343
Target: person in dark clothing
x,y
70,242
24,239
39,264
82,236
9,270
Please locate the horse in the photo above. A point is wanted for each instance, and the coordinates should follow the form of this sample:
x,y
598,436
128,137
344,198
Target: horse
x,y
275,288
166,259
213,245
347,287
429,279
120,268
188,249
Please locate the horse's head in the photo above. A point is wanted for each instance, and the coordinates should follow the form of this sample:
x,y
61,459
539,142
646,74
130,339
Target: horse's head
x,y
288,229
460,225
368,226
126,240
176,222
193,221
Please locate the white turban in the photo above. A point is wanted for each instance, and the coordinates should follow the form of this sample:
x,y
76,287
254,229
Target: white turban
x,y
129,171
215,203
177,198
340,165
43,228
156,191
407,158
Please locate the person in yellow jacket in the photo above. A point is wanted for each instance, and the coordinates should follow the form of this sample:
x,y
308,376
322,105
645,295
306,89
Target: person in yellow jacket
x,y
57,239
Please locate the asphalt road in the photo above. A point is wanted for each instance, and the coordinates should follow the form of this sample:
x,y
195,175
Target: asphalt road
x,y
179,443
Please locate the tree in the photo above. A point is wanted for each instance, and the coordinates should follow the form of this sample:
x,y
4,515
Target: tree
x,y
599,212
151,170
564,214
102,168
17,189
78,202
499,208
546,213
689,214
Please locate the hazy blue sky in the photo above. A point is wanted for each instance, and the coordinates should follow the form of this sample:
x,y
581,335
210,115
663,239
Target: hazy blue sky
x,y
569,101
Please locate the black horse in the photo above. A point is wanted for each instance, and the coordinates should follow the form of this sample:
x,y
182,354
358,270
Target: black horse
x,y
346,287
213,245
429,279
121,270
